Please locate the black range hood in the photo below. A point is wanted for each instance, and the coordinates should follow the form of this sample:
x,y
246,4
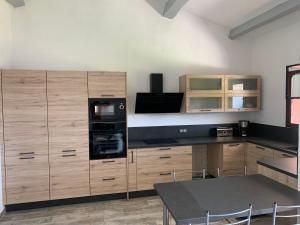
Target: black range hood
x,y
156,101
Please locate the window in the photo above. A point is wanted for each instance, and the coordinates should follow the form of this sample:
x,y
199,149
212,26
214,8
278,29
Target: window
x,y
293,95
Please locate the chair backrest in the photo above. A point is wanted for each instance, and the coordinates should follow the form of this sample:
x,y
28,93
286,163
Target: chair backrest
x,y
245,214
277,208
195,174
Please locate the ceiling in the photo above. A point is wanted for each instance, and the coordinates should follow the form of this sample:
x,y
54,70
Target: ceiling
x,y
229,13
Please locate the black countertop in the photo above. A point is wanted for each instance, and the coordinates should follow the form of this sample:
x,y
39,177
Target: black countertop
x,y
286,166
281,146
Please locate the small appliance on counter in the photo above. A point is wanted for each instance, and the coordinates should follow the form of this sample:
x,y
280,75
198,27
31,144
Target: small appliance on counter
x,y
224,131
107,128
243,128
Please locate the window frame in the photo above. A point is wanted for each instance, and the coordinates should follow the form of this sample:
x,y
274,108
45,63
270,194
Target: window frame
x,y
289,76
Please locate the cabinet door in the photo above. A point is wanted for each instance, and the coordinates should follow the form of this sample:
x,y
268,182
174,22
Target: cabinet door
x,y
68,134
242,84
132,170
26,136
205,103
242,102
107,84
233,159
205,84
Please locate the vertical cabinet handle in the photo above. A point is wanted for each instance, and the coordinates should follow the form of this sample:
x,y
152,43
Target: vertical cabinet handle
x,y
132,157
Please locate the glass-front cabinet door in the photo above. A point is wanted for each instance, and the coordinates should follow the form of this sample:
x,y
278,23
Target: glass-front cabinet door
x,y
242,102
242,84
205,84
205,103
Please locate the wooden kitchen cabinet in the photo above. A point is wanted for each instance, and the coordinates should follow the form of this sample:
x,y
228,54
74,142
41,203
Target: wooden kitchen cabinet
x,y
196,103
156,165
242,84
255,153
108,176
2,146
68,134
25,136
132,170
107,85
229,159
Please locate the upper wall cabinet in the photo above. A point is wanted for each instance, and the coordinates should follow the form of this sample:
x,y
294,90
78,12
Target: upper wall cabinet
x,y
220,93
25,136
242,84
107,84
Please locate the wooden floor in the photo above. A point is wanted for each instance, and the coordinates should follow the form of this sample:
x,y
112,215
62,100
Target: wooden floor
x,y
138,211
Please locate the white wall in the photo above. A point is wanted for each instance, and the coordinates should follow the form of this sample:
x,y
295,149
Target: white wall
x,y
5,58
129,36
274,48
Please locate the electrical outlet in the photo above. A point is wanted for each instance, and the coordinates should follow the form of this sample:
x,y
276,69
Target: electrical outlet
x,y
182,131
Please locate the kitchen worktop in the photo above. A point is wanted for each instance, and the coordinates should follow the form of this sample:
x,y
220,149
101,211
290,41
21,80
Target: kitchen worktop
x,y
281,146
287,166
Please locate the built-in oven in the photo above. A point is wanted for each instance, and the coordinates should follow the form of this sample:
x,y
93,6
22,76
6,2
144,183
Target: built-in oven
x,y
107,128
107,109
108,140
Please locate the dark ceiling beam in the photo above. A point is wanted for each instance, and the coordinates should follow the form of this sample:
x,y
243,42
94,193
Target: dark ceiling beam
x,y
269,16
167,8
16,3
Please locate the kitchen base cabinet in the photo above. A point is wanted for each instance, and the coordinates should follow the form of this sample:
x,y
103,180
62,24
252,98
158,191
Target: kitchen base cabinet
x,y
108,176
156,165
69,180
226,159
279,177
27,183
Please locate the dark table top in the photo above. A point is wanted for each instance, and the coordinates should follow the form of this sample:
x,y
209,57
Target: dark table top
x,y
189,201
285,165
281,146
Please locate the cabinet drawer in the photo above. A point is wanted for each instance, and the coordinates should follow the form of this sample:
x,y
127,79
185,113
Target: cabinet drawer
x,y
69,180
69,155
166,162
108,185
147,180
163,151
109,167
29,183
107,84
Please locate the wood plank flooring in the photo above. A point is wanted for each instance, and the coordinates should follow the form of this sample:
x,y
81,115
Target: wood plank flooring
x,y
138,211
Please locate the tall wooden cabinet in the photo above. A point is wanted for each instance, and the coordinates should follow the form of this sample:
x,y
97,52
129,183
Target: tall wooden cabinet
x,y
25,136
68,134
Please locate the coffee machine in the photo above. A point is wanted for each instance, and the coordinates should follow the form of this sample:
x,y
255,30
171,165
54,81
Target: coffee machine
x,y
243,127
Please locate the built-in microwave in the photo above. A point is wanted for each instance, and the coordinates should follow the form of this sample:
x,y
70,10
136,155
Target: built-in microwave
x,y
107,110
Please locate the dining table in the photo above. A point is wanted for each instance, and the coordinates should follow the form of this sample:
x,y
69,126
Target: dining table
x,y
188,201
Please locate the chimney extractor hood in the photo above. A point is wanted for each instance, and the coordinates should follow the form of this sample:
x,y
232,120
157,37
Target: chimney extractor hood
x,y
158,102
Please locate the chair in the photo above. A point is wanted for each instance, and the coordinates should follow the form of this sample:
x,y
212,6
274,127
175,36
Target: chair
x,y
244,214
194,174
277,208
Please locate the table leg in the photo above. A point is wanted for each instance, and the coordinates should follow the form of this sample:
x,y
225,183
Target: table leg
x,y
166,216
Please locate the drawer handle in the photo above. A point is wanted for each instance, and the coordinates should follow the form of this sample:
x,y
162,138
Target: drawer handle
x,y
260,147
205,110
26,153
108,95
288,156
165,149
165,157
69,155
108,179
69,150
232,145
110,161
165,174
32,157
